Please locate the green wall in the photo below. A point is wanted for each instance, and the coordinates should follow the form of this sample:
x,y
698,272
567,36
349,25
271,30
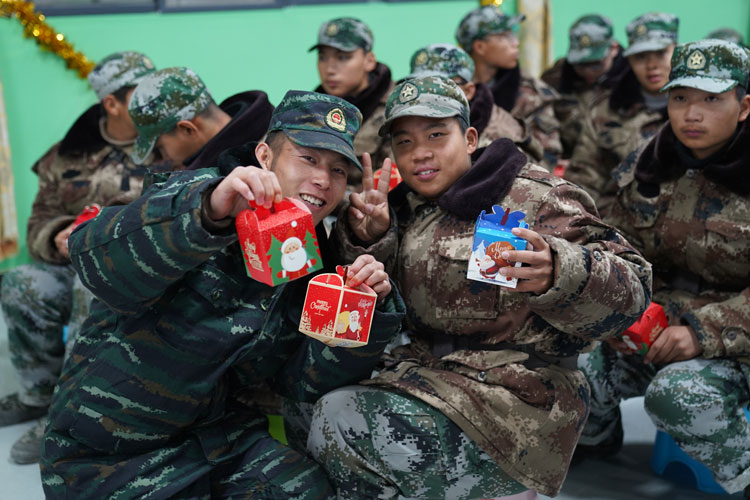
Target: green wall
x,y
252,49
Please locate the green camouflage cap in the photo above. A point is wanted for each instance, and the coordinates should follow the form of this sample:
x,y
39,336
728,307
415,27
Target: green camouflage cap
x,y
711,65
442,59
121,69
318,121
590,38
727,34
430,96
484,21
345,33
653,31
162,99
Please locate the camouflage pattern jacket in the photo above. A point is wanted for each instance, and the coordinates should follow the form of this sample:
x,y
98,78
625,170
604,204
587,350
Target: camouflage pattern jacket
x,y
531,100
149,400
501,365
691,220
493,122
84,168
618,124
576,97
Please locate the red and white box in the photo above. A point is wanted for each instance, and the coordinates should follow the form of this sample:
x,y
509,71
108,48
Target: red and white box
x,y
336,314
641,334
88,213
279,244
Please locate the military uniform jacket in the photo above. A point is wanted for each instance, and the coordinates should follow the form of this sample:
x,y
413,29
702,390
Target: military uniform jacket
x,y
84,168
493,122
509,381
691,219
619,123
148,401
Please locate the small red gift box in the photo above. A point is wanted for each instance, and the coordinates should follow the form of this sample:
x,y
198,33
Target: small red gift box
x,y
279,244
88,213
336,314
643,332
395,177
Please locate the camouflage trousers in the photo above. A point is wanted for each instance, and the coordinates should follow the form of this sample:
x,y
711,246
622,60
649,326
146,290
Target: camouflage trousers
x,y
38,300
376,443
699,402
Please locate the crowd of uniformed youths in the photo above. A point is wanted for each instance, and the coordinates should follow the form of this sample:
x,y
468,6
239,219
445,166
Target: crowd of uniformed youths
x,y
465,390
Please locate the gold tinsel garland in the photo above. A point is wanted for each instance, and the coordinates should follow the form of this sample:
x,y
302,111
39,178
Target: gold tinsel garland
x,y
35,26
485,3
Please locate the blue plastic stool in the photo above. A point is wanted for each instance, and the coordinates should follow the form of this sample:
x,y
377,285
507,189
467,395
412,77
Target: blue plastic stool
x,y
669,461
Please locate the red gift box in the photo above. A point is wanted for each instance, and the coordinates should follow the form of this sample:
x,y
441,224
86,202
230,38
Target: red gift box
x,y
279,244
336,314
88,213
395,177
643,332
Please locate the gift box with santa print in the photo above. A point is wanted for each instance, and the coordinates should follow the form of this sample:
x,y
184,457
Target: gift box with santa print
x,y
641,334
336,314
279,244
492,236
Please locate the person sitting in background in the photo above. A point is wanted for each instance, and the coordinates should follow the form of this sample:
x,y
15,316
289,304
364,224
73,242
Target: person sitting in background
x,y
632,112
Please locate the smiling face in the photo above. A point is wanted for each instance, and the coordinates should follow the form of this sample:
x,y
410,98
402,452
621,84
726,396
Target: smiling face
x,y
344,73
431,153
704,122
315,176
651,68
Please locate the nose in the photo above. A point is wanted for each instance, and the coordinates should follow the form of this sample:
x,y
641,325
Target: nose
x,y
321,177
693,114
421,153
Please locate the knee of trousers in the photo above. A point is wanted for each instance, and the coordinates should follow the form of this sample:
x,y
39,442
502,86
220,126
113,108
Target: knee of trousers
x,y
18,283
335,415
676,393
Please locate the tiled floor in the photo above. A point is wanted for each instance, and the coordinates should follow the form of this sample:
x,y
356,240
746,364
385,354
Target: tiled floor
x,y
626,477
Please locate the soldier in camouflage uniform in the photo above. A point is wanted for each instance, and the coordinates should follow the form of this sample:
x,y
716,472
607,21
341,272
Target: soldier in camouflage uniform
x,y
487,35
348,69
593,65
491,121
684,203
191,130
485,400
624,118
727,34
154,400
89,166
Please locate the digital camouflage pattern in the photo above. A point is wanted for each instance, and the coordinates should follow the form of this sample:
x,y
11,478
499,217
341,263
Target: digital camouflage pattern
x,y
479,23
431,96
319,121
122,69
727,34
534,107
499,364
345,33
590,39
652,31
504,125
162,99
442,59
711,65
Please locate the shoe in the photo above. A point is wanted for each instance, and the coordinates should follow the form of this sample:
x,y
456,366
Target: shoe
x,y
13,411
28,448
607,448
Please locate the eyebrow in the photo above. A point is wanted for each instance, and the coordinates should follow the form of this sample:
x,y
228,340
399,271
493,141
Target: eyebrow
x,y
432,125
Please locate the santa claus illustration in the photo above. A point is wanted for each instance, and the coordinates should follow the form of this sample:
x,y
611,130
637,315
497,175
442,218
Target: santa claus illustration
x,y
294,257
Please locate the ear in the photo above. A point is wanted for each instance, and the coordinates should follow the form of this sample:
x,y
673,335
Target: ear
x,y
187,128
744,108
472,140
111,105
370,61
264,154
479,47
470,89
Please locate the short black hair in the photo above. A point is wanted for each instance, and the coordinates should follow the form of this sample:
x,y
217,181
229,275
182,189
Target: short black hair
x,y
211,110
740,92
275,139
462,124
121,94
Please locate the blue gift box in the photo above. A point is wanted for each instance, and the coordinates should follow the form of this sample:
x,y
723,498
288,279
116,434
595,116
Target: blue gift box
x,y
492,236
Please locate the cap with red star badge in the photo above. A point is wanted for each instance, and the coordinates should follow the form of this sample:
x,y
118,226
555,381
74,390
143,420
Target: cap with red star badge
x,y
711,65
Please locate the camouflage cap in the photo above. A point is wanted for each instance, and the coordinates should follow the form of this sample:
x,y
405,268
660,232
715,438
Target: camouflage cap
x,y
711,65
590,38
653,31
727,34
121,69
430,96
345,33
484,21
162,99
442,59
318,121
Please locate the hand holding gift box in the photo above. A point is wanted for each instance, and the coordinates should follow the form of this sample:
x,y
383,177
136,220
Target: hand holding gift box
x,y
492,236
641,334
336,314
279,244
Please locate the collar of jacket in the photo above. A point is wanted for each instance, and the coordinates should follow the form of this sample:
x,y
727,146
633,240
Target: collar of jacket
x,y
376,92
251,112
660,161
505,87
480,108
84,136
626,97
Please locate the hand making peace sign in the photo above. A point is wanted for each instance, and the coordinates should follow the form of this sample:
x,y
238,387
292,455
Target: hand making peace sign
x,y
369,216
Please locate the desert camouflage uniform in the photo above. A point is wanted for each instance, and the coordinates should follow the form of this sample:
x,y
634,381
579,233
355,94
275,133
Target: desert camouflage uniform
x,y
500,366
86,167
691,220
153,401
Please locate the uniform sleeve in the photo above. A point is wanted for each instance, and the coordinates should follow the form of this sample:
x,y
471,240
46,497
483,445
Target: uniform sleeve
x,y
129,256
723,328
545,129
582,168
48,215
601,285
384,250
